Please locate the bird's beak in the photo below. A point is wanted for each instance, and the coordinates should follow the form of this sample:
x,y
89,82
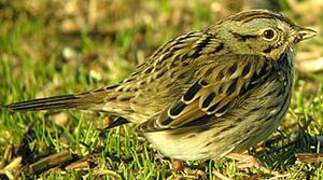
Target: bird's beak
x,y
304,33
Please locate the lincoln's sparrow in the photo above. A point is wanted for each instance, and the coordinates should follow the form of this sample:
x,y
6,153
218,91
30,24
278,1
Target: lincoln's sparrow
x,y
206,93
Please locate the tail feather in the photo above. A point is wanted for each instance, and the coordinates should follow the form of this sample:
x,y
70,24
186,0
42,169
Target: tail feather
x,y
87,100
56,102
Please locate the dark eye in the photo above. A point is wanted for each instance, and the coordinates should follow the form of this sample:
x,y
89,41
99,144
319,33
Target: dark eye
x,y
269,34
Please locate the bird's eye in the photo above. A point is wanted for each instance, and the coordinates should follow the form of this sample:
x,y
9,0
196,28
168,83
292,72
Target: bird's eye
x,y
269,34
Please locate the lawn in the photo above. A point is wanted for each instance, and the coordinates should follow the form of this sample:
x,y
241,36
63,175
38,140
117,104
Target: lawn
x,y
60,47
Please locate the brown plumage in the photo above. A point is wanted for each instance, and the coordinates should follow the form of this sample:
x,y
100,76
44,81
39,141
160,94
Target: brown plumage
x,y
206,93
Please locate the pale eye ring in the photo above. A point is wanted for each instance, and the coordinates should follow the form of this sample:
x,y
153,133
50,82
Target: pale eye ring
x,y
269,34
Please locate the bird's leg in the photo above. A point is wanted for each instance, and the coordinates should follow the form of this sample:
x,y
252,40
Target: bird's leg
x,y
177,165
118,121
244,160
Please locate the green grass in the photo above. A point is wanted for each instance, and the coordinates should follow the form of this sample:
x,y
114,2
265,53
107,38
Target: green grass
x,y
33,63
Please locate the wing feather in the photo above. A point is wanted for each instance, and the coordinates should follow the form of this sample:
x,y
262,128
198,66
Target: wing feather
x,y
211,97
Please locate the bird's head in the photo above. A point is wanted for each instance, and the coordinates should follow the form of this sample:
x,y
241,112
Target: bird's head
x,y
260,32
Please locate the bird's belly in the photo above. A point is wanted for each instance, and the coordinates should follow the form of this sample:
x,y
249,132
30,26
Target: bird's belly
x,y
188,146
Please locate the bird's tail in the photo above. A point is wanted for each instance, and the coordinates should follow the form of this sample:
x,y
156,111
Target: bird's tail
x,y
56,102
86,100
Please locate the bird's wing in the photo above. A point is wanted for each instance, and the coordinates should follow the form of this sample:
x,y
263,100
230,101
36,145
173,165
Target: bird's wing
x,y
208,99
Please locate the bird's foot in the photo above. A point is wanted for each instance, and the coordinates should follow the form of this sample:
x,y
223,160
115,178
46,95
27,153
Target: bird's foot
x,y
177,165
245,160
